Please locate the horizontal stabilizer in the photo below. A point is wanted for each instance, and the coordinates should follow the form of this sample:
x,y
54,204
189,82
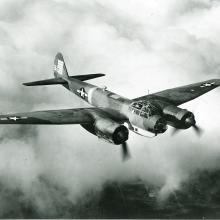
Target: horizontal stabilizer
x,y
87,77
57,81
46,82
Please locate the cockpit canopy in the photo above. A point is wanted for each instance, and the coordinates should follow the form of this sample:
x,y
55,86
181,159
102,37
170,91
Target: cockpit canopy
x,y
144,109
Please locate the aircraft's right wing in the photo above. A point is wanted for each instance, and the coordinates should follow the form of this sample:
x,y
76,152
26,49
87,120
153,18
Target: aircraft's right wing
x,y
63,116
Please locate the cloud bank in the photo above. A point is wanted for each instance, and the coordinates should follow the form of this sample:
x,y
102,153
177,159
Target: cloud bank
x,y
140,45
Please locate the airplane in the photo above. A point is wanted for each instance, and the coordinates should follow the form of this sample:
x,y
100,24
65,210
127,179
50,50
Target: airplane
x,y
112,116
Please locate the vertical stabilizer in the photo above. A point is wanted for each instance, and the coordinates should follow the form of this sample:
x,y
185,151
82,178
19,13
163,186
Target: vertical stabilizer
x,y
60,70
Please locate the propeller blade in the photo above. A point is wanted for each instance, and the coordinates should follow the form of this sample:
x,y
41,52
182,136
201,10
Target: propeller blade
x,y
175,131
125,151
197,129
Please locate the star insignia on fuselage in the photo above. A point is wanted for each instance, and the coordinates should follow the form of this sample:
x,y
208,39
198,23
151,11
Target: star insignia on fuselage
x,y
82,93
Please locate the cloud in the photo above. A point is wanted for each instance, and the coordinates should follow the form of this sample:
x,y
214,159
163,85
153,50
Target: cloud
x,y
141,45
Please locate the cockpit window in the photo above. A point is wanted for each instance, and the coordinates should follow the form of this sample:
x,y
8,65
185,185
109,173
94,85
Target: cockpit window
x,y
143,108
137,105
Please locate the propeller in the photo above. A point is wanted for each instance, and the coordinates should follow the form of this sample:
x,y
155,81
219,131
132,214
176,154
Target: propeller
x,y
192,123
175,131
186,121
125,151
197,129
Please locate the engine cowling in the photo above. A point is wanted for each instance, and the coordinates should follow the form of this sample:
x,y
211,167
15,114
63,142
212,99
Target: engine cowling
x,y
155,124
109,130
178,117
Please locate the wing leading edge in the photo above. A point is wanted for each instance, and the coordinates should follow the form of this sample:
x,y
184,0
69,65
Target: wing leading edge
x,y
64,116
179,95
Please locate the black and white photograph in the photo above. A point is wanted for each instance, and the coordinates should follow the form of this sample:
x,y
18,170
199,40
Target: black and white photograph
x,y
109,109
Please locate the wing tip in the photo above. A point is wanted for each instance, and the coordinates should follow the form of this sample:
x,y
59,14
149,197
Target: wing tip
x,y
101,74
216,80
25,84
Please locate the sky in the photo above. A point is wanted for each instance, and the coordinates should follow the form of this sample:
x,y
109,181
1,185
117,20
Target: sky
x,y
140,45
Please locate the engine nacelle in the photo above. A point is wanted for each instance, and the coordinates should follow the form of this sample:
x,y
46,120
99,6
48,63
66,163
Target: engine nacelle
x,y
155,124
108,130
178,117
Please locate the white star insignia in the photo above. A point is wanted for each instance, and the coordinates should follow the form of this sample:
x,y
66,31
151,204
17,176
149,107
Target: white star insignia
x,y
207,84
82,92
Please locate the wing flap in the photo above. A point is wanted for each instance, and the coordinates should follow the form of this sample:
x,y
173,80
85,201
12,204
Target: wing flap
x,y
64,116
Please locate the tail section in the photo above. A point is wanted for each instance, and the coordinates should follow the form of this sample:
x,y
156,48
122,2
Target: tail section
x,y
60,70
61,75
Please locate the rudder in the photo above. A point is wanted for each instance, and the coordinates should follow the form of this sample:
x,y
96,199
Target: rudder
x,y
60,70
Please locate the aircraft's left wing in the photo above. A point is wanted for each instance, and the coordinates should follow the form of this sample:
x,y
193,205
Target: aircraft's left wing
x,y
179,95
64,116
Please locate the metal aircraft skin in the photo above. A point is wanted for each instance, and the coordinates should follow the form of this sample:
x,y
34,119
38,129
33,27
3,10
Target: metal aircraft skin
x,y
112,116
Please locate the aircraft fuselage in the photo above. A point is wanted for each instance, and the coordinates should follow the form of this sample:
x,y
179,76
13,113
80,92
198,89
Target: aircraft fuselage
x,y
115,106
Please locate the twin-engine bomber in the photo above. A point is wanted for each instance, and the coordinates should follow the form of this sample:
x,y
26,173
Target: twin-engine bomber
x,y
112,116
